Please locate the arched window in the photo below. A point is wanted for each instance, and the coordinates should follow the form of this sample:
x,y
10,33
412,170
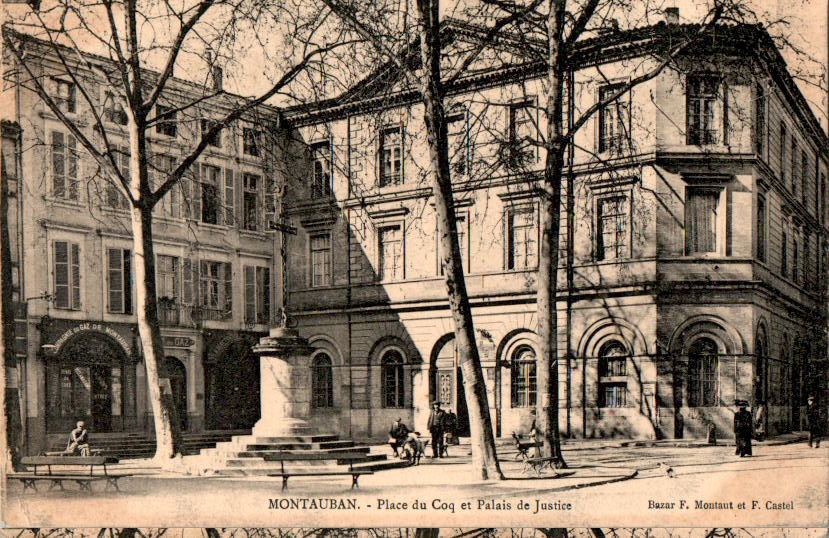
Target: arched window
x,y
392,372
702,373
322,381
523,377
613,384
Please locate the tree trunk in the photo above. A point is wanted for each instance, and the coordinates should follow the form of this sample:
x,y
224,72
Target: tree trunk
x,y
167,434
547,364
10,398
484,457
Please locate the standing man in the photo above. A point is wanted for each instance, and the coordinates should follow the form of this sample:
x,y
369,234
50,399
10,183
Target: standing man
x,y
743,429
815,424
435,425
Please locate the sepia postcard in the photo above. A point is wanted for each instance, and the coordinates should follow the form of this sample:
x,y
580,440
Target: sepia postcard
x,y
415,264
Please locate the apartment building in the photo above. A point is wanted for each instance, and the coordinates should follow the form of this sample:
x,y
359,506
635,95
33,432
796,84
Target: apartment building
x,y
693,234
79,353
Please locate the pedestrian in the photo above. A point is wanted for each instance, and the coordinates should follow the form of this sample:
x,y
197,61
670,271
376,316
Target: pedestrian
x,y
760,421
743,429
397,435
815,423
78,441
435,425
450,429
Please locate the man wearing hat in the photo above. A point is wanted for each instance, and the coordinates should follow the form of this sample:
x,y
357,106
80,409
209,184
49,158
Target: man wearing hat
x,y
435,425
743,429
397,435
815,424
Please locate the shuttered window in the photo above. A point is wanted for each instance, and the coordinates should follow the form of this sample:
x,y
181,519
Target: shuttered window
x,y
119,281
67,275
701,220
257,295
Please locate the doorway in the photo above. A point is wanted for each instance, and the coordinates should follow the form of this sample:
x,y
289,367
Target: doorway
x,y
101,397
446,384
232,389
177,374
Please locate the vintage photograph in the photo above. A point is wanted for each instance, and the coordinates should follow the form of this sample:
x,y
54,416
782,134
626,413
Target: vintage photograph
x,y
414,264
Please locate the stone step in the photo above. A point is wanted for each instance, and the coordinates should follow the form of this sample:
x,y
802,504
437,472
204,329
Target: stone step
x,y
298,446
256,453
313,438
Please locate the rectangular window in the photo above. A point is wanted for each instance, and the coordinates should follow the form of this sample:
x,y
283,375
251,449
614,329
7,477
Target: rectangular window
x,y
391,156
115,197
113,110
170,204
67,275
210,194
390,252
321,260
703,110
64,166
613,223
257,295
522,238
795,168
701,220
795,260
119,281
251,141
784,255
614,121
167,278
229,198
521,134
760,119
64,95
216,290
165,121
250,202
206,126
804,173
761,228
321,181
458,142
462,225
783,152
807,259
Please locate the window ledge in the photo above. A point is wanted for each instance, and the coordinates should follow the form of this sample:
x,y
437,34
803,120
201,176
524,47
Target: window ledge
x,y
168,220
214,227
64,202
254,234
108,210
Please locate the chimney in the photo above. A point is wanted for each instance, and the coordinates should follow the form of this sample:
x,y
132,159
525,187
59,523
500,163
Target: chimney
x,y
672,15
216,73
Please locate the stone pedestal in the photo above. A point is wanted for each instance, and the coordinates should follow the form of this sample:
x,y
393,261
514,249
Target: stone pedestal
x,y
285,384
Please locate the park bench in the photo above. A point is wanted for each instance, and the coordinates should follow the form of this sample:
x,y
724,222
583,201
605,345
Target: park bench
x,y
538,464
84,481
523,447
350,457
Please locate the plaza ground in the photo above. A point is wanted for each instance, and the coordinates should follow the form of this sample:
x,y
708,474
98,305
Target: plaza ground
x,y
607,484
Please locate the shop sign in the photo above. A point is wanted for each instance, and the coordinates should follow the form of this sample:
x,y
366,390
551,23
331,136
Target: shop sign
x,y
109,331
178,341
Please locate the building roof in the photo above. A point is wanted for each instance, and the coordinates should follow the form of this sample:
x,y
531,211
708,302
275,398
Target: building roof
x,y
386,87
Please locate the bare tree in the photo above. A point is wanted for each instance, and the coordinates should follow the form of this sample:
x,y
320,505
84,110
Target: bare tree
x,y
143,45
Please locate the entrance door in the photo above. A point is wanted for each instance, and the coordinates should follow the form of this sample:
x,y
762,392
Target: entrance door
x,y
460,405
178,384
101,398
232,387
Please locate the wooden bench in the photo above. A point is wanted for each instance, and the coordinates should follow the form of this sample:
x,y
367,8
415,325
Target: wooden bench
x,y
523,447
350,457
84,481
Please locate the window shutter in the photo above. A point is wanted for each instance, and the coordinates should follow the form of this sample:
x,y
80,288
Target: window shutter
x,y
187,281
115,280
202,278
76,277
196,193
250,294
61,263
261,221
228,274
265,295
229,199
127,254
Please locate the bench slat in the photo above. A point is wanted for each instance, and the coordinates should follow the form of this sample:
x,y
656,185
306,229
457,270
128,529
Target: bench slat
x,y
322,473
68,460
290,456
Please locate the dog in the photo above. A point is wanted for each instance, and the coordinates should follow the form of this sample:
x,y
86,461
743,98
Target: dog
x,y
667,469
413,448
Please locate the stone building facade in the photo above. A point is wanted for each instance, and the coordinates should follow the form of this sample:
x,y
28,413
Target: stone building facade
x,y
693,265
79,354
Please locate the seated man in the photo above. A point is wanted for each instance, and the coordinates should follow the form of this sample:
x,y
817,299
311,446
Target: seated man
x,y
397,435
78,441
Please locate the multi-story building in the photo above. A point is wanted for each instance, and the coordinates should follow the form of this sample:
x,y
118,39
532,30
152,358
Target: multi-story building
x,y
74,263
693,266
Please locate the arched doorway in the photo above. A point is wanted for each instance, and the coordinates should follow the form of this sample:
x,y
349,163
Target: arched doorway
x,y
232,388
89,380
178,384
446,383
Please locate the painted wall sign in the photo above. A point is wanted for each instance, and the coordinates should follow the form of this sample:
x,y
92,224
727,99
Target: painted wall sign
x,y
109,331
178,341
